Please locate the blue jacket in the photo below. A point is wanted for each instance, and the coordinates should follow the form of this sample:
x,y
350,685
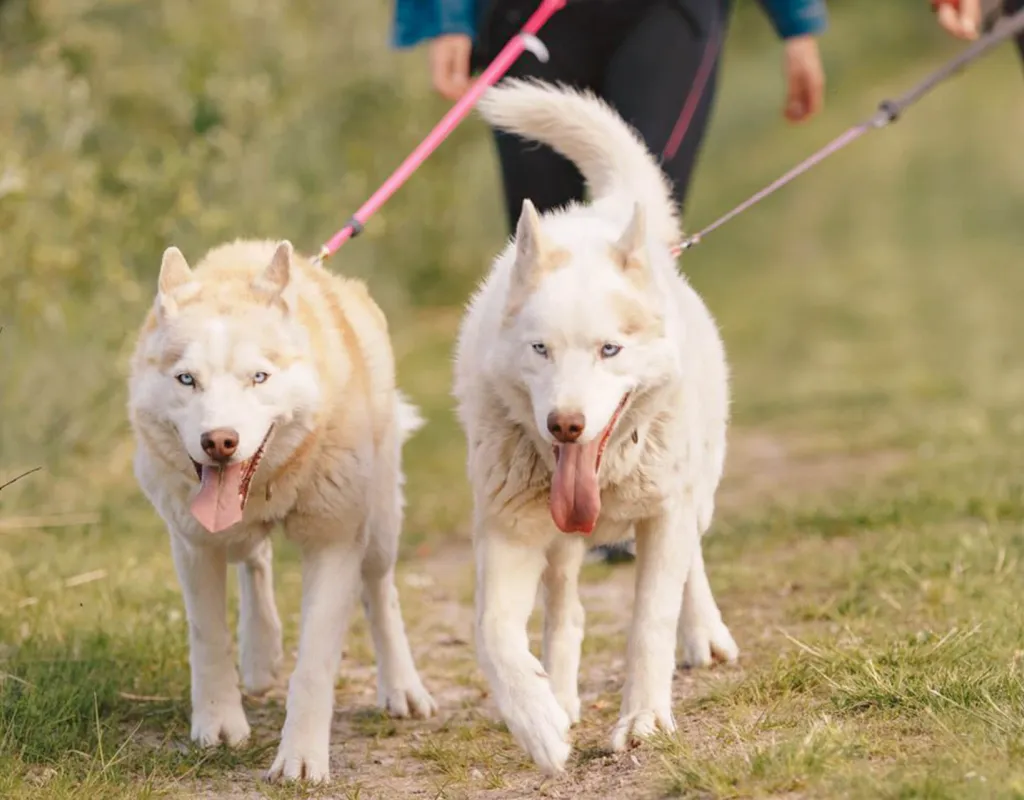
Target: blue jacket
x,y
416,20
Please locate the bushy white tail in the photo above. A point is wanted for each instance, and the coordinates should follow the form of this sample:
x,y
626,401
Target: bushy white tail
x,y
612,157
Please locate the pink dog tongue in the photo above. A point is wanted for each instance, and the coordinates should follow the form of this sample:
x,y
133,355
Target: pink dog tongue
x,y
219,502
575,495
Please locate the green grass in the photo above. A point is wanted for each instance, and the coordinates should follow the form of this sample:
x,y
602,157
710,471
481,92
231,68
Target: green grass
x,y
869,545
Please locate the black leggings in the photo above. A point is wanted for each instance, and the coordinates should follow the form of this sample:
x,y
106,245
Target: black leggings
x,y
654,61
1010,7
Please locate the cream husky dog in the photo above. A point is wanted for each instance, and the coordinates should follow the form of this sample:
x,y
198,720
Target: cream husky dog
x,y
262,391
593,389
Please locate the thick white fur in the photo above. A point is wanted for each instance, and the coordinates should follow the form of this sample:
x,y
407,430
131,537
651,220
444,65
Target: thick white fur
x,y
572,280
331,477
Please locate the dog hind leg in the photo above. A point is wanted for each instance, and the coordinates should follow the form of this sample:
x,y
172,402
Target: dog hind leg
x,y
259,626
400,689
702,633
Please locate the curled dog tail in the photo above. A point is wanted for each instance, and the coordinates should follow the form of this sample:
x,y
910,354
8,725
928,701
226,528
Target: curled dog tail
x,y
611,156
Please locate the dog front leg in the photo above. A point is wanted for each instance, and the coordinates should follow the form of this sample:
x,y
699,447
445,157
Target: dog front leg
x,y
217,713
564,619
507,577
664,546
330,584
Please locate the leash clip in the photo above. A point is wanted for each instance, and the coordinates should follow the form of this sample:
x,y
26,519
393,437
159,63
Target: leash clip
x,y
888,112
535,46
355,225
688,242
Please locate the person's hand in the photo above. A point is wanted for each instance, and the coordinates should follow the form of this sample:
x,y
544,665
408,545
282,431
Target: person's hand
x,y
449,64
805,78
962,18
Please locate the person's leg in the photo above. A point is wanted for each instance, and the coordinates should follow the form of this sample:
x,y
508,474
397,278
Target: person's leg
x,y
662,79
530,170
1012,7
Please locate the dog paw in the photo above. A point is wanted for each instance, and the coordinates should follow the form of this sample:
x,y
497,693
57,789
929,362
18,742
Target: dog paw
x,y
633,728
541,727
217,723
295,762
260,675
705,644
411,699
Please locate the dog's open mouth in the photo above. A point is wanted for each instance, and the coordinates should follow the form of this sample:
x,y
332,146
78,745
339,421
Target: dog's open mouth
x,y
575,491
224,491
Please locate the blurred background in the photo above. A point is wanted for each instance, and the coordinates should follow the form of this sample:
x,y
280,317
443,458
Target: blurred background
x,y
128,126
872,306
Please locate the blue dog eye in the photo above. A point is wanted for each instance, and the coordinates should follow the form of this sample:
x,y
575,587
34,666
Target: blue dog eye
x,y
540,348
610,350
185,379
260,377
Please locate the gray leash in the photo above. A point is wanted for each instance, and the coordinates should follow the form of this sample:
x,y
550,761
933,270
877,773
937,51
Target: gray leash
x,y
888,111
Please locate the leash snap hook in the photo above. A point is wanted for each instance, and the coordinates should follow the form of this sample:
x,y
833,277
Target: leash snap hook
x,y
535,46
888,111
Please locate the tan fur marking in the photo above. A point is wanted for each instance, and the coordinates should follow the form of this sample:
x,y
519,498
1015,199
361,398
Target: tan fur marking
x,y
347,334
361,292
155,449
519,293
351,339
168,358
150,324
334,467
149,327
633,267
635,319
297,457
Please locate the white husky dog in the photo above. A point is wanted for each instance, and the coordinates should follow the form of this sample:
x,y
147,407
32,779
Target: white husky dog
x,y
262,392
593,389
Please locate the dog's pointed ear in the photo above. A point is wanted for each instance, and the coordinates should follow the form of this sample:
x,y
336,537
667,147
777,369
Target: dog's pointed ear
x,y
532,255
174,273
631,248
535,256
530,242
279,272
276,277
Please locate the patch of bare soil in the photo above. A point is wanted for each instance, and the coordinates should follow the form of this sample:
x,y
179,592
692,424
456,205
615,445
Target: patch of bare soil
x,y
762,468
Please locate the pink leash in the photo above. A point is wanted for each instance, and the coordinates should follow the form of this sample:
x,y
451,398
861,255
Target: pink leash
x,y
888,112
524,40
